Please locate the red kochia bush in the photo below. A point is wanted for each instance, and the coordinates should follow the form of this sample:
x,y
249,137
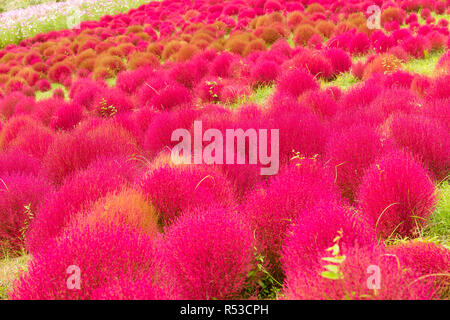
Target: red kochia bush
x,y
429,259
14,103
416,46
77,194
272,206
45,109
20,196
313,232
170,97
76,150
264,72
360,44
296,81
221,65
321,102
440,88
215,261
339,59
395,284
351,152
130,81
17,161
177,190
59,72
159,132
109,101
67,116
25,134
397,193
128,289
300,131
426,138
83,92
390,101
103,253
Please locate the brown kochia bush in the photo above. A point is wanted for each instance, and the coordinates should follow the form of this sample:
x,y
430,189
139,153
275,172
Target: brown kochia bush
x,y
269,34
238,42
303,33
255,45
392,14
326,28
314,8
112,63
139,59
186,52
294,19
171,48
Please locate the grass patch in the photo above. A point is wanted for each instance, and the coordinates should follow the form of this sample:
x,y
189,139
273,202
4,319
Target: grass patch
x,y
111,82
9,270
259,97
423,66
343,81
48,94
439,225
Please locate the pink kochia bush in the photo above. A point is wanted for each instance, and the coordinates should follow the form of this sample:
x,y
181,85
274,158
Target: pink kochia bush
x,y
397,193
128,289
180,189
429,259
23,133
21,195
271,206
351,152
18,162
313,231
296,81
77,194
159,132
397,283
76,150
208,254
426,138
103,253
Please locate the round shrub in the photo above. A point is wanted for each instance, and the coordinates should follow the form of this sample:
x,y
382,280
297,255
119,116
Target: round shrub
x,y
351,152
429,259
272,206
127,207
102,254
76,150
396,283
397,193
214,263
426,138
180,189
295,82
78,193
313,231
20,197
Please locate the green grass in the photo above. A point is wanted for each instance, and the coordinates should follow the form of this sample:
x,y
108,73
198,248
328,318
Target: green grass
x,y
423,66
259,97
48,94
61,19
9,270
439,225
7,5
343,81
